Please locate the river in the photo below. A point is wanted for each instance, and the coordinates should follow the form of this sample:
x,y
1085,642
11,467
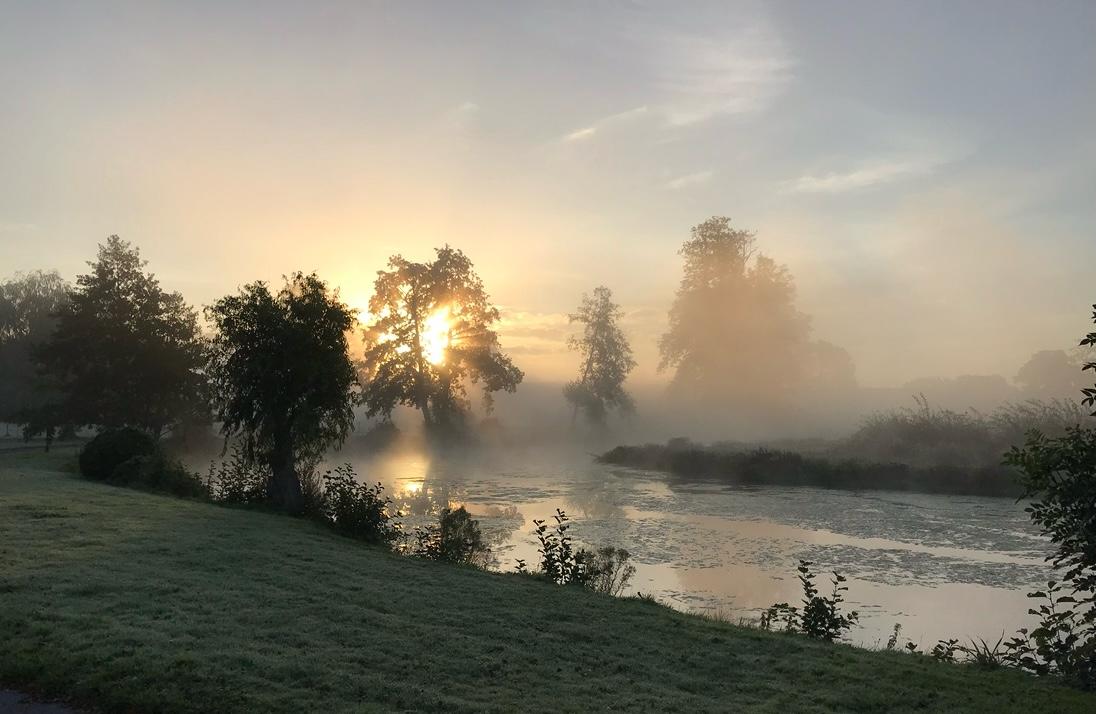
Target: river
x,y
940,566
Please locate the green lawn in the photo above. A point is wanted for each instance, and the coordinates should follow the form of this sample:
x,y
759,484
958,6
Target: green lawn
x,y
126,601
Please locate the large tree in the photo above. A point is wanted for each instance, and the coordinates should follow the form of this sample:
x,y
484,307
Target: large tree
x,y
735,333
606,359
28,306
428,335
125,352
282,378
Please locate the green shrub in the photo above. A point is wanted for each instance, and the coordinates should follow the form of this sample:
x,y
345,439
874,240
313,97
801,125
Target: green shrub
x,y
237,481
158,472
820,617
111,448
357,510
455,539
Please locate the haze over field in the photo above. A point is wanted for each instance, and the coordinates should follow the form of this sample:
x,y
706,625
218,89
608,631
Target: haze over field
x,y
933,204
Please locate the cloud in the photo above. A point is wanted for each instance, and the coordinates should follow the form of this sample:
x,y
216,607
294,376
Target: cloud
x,y
693,179
734,74
581,134
867,176
604,123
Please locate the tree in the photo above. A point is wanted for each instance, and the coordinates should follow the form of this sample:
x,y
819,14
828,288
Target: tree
x,y
429,333
1049,373
606,359
28,305
735,333
125,352
282,378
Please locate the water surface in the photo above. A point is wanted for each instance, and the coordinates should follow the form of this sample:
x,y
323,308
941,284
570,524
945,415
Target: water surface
x,y
941,566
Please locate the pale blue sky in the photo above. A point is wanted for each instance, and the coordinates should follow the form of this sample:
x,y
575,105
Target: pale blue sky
x,y
926,169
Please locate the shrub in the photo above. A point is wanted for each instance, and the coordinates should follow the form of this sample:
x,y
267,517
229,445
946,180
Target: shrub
x,y
111,448
357,510
236,481
608,570
455,539
820,617
158,472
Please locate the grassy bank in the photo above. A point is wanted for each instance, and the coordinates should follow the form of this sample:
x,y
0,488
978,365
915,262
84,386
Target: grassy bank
x,y
129,601
787,468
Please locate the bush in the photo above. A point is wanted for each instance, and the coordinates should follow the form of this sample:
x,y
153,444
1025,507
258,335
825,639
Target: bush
x,y
820,617
606,570
237,481
158,472
359,511
111,448
455,539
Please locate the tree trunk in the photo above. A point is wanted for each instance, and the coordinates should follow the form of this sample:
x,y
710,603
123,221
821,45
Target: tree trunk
x,y
285,485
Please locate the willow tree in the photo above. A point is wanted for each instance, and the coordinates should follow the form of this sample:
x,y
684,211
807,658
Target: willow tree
x,y
606,359
282,378
735,333
428,336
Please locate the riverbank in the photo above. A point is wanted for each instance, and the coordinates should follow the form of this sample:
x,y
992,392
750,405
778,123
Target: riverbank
x,y
130,601
770,467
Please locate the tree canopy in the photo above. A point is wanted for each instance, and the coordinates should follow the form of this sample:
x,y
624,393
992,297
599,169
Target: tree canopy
x,y
282,378
28,306
606,358
125,352
735,333
429,333
1090,341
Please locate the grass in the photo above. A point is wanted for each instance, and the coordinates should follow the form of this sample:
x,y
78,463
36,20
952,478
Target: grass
x,y
127,601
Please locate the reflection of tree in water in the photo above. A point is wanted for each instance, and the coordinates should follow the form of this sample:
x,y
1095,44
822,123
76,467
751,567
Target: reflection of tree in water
x,y
596,499
423,502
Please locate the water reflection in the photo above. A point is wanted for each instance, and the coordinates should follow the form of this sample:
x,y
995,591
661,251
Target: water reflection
x,y
940,566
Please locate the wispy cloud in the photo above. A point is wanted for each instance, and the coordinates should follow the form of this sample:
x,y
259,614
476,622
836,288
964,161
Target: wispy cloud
x,y
693,179
867,176
734,74
604,123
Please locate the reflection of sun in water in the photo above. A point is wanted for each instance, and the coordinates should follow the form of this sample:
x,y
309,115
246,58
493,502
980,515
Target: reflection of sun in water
x,y
412,487
436,336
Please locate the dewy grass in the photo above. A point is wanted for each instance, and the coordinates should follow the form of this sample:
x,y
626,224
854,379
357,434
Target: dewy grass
x,y
129,601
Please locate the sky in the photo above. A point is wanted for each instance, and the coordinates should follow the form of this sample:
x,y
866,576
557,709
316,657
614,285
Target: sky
x,y
926,170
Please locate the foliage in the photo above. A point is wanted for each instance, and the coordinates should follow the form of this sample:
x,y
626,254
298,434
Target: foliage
x,y
1064,641
157,471
129,457
1049,373
820,616
608,570
1089,393
455,539
28,305
735,333
359,510
944,650
605,570
282,379
430,330
606,358
125,352
237,481
110,449
1059,476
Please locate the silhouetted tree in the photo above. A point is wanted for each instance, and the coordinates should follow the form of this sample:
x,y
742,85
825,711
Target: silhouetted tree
x,y
28,304
1049,373
429,333
124,351
735,334
606,359
281,377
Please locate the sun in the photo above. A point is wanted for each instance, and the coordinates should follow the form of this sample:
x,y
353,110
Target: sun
x,y
437,336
